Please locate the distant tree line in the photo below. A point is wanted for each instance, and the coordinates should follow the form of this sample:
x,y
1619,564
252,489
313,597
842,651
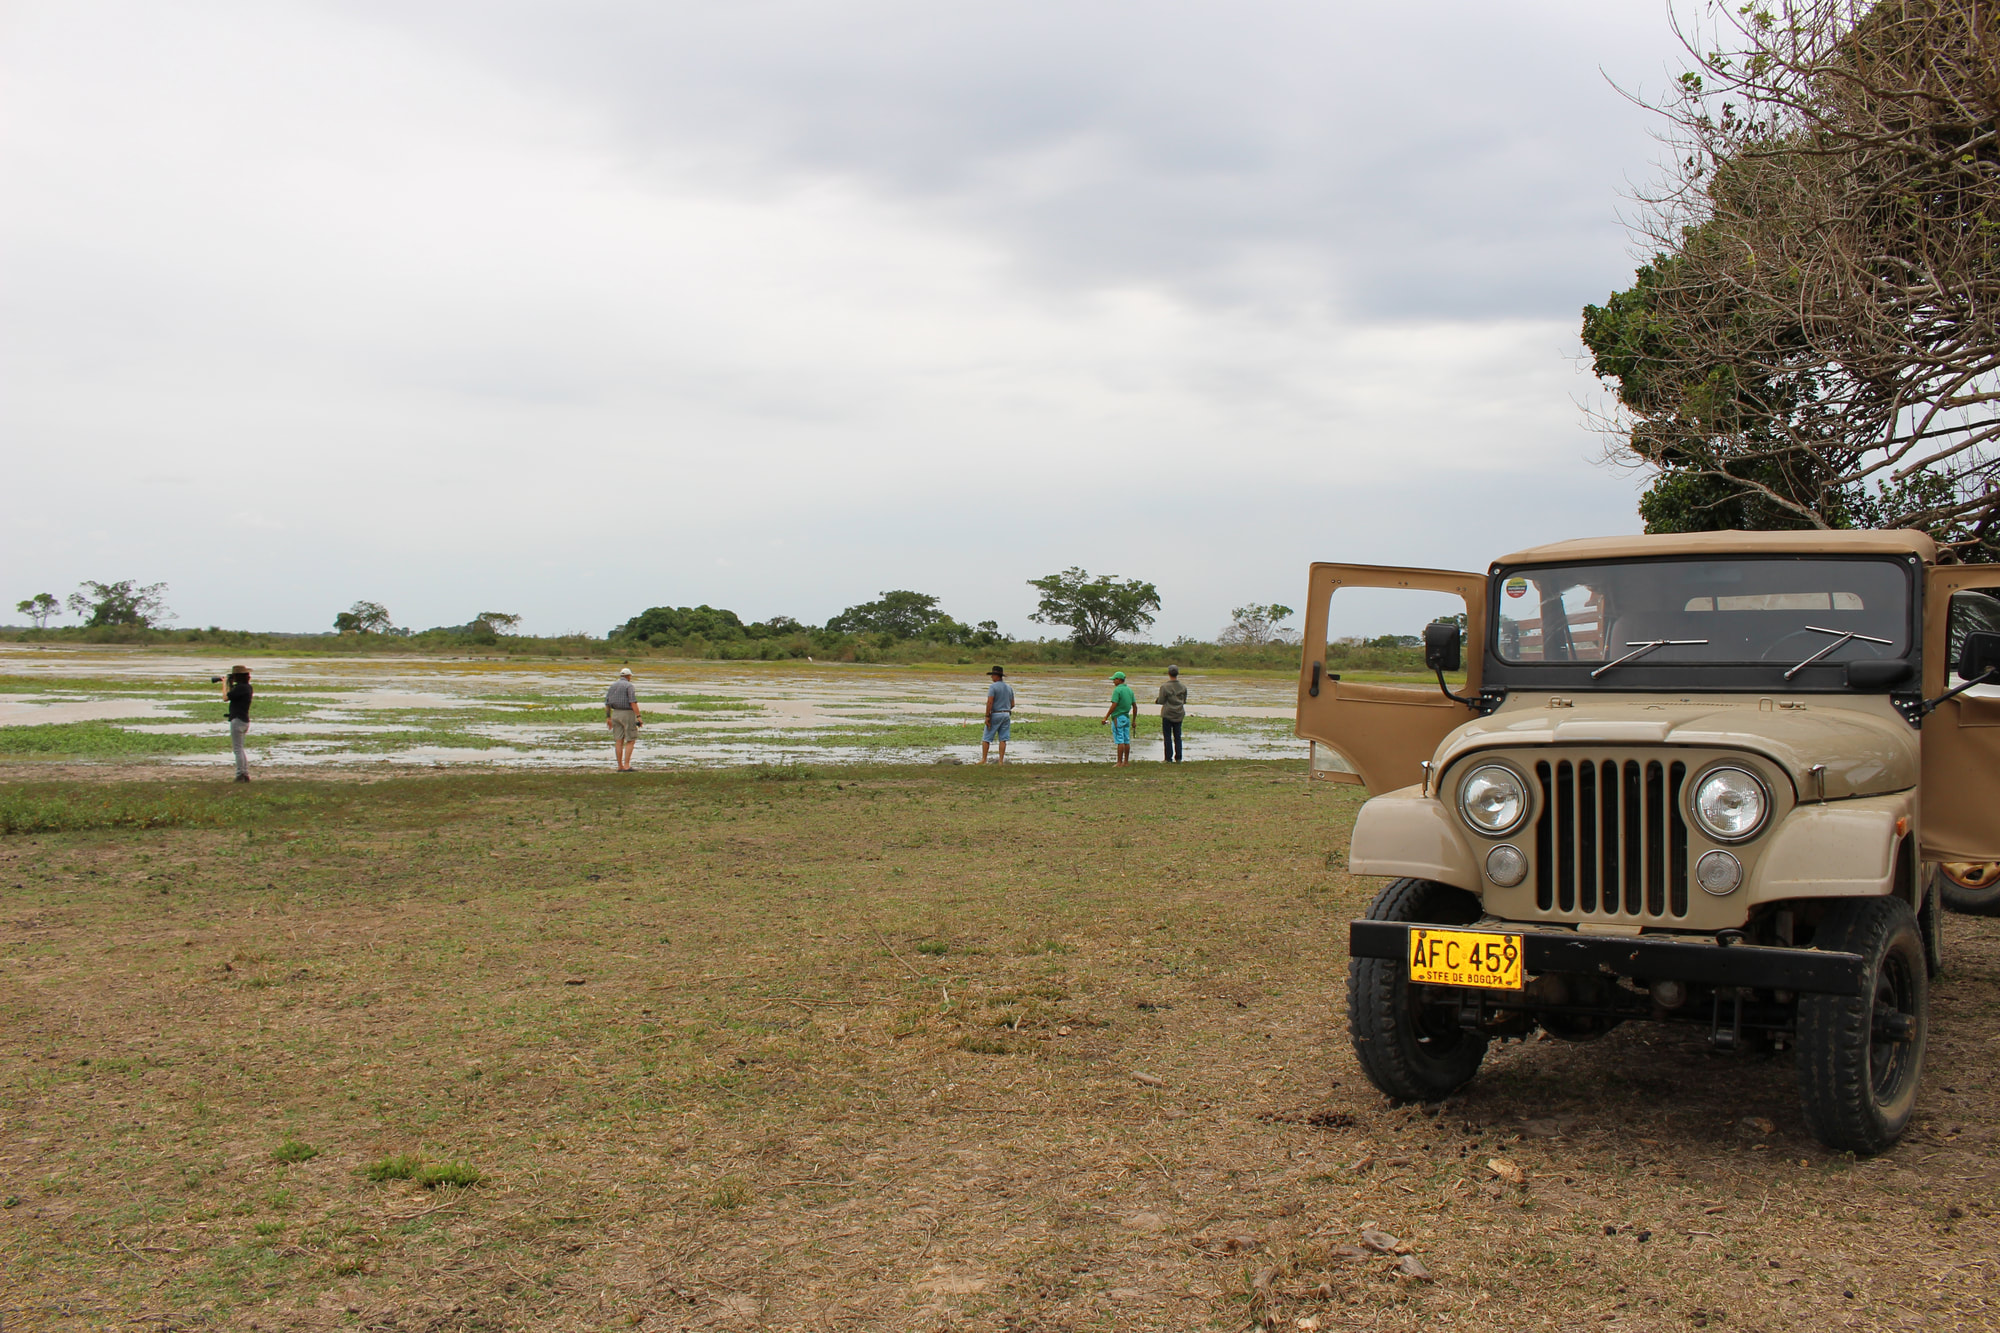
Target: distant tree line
x,y
1102,613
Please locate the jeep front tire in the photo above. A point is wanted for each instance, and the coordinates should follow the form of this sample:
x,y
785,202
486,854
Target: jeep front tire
x,y
1408,1052
1861,1057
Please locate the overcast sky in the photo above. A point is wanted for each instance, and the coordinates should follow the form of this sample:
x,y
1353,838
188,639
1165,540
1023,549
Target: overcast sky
x,y
573,309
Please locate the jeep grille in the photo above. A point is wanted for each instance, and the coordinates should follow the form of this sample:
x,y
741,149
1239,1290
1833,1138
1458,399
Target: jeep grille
x,y
1611,839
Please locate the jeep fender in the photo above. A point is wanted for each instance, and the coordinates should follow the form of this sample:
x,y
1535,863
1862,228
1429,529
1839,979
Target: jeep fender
x,y
1406,833
1841,849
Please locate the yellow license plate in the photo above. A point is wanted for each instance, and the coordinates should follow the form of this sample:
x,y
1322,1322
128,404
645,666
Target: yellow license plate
x,y
1465,958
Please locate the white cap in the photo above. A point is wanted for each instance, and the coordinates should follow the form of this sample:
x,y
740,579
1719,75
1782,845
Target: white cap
x,y
625,671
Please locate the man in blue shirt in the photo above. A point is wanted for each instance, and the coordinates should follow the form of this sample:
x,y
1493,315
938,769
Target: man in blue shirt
x,y
999,714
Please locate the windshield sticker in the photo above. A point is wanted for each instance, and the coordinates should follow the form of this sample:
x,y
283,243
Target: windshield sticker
x,y
1517,587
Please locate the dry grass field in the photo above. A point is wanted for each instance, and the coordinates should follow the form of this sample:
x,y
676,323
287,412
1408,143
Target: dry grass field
x,y
866,1048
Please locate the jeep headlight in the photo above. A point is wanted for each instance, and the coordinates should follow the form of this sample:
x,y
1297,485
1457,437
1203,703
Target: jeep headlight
x,y
1493,799
1730,804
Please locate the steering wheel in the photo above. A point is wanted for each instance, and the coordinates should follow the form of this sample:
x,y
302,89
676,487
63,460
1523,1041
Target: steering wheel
x,y
1822,640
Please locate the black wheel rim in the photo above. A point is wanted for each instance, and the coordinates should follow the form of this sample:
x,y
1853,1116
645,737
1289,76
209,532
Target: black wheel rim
x,y
1890,1060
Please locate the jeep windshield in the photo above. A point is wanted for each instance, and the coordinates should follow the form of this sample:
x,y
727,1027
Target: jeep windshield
x,y
1636,623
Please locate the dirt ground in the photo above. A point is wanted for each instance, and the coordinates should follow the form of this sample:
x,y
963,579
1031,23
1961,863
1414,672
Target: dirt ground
x,y
1037,1048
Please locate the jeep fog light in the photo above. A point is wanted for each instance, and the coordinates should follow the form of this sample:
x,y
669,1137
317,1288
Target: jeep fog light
x,y
1506,866
1493,799
1718,873
1730,804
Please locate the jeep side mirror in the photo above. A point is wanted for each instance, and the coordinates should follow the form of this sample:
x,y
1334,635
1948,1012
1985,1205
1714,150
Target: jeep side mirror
x,y
1978,663
1980,657
1443,646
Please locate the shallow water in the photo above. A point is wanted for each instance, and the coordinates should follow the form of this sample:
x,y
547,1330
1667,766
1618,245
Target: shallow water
x,y
698,713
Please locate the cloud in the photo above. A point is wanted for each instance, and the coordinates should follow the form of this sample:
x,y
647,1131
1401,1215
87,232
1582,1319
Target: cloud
x,y
1410,161
583,308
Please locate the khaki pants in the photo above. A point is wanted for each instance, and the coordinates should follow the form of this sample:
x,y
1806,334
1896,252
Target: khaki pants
x,y
624,725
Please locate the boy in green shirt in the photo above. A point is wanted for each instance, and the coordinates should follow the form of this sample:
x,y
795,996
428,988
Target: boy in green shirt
x,y
1119,715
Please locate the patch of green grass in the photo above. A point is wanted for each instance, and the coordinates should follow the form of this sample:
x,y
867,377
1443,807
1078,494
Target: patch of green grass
x,y
75,808
294,1150
921,735
782,772
728,1195
935,948
102,739
78,809
402,1166
456,1174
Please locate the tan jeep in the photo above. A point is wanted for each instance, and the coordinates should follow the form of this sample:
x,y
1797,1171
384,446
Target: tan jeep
x,y
1704,778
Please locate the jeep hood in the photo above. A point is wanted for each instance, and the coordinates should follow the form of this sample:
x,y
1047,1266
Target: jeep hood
x,y
1865,754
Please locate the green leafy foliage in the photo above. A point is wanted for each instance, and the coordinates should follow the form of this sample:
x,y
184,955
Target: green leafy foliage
x,y
674,625
124,603
1259,623
900,614
906,615
1095,610
40,608
1815,340
366,618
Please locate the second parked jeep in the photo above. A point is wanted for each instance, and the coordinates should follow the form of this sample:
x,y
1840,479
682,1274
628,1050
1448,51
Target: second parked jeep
x,y
1705,778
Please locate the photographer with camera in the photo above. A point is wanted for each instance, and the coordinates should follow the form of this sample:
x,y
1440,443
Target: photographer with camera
x,y
237,694
621,714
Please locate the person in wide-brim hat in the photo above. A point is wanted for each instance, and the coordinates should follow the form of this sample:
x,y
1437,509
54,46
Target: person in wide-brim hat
x,y
999,714
238,693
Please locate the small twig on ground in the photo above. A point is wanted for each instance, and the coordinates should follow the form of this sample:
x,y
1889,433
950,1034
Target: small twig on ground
x,y
1165,1174
930,1234
898,957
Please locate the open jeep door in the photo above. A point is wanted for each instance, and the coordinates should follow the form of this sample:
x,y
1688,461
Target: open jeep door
x,y
1961,740
1383,732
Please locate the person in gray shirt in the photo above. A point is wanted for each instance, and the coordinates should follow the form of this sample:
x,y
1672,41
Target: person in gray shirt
x,y
621,714
1172,700
999,714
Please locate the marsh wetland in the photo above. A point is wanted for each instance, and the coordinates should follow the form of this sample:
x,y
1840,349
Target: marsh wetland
x,y
58,703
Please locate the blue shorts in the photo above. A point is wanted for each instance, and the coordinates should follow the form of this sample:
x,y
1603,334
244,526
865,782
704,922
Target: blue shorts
x,y
1121,729
998,726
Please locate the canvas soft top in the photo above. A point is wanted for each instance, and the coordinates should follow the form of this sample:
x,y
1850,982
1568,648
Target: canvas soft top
x,y
1808,541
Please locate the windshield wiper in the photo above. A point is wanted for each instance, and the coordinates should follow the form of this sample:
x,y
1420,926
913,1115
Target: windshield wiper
x,y
1641,649
1842,636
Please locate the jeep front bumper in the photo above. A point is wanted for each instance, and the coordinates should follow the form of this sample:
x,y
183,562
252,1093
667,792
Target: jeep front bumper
x,y
1643,958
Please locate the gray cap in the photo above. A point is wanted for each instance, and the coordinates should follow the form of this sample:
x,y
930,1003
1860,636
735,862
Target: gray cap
x,y
1173,671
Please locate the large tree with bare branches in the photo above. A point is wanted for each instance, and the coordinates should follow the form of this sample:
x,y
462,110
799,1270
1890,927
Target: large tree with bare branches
x,y
1817,340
